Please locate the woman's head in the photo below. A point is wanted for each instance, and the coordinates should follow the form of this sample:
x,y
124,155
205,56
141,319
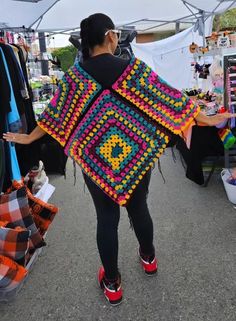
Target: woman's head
x,y
96,31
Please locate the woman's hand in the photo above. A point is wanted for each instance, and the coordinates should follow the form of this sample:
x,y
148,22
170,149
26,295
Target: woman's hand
x,y
17,138
213,120
219,118
24,138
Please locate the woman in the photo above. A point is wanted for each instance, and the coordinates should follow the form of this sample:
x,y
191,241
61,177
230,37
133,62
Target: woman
x,y
98,78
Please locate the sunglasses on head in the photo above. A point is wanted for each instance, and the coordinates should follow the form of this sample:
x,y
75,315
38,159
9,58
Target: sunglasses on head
x,y
118,32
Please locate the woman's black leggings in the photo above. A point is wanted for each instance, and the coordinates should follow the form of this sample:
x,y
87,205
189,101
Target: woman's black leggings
x,y
108,216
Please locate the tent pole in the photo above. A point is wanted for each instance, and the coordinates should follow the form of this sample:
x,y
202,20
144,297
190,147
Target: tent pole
x,y
228,8
187,4
233,2
39,23
166,23
135,21
213,12
177,27
42,15
42,46
204,30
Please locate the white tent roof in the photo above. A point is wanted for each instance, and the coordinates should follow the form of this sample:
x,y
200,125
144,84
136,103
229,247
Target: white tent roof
x,y
15,13
67,14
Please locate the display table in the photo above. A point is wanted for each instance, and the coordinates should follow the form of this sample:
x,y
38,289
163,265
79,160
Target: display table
x,y
205,143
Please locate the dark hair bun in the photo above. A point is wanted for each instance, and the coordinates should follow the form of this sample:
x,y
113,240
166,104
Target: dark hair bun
x,y
92,31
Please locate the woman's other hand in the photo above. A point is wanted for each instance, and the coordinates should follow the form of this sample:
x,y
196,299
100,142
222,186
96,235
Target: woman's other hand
x,y
213,120
17,138
218,118
24,138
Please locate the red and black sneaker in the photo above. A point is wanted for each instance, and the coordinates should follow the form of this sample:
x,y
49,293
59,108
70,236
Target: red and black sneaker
x,y
111,290
149,263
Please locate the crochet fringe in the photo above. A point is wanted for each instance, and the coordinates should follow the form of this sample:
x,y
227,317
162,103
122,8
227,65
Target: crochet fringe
x,y
160,170
173,154
74,166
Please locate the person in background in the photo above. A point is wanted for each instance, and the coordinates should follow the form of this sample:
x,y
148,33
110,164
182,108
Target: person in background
x,y
99,39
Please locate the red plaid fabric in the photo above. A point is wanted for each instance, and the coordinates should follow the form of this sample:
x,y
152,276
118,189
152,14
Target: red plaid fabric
x,y
43,213
14,242
14,208
11,274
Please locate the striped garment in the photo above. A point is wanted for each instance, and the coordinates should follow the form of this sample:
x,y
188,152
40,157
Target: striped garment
x,y
116,134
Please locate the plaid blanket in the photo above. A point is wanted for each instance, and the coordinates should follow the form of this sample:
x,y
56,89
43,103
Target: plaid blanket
x,y
14,208
14,242
43,213
11,274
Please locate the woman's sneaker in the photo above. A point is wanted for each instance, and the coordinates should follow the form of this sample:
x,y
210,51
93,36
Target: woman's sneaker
x,y
111,290
149,264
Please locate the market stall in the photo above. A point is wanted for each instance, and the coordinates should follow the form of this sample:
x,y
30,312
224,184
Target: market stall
x,y
25,214
210,82
26,223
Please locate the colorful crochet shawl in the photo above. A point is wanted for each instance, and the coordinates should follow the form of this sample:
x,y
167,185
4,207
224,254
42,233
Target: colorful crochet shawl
x,y
116,134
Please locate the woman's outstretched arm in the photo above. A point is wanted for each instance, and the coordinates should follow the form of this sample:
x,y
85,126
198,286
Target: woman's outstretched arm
x,y
213,120
25,139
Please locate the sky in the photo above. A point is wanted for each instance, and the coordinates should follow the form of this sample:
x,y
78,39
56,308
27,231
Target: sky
x,y
59,41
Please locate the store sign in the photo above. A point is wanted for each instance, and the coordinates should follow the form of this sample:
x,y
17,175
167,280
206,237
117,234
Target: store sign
x,y
223,42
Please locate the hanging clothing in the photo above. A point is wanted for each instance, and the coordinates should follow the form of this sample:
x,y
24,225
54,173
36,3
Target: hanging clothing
x,y
29,112
15,90
13,123
2,164
5,96
28,155
117,133
15,106
13,118
22,81
16,79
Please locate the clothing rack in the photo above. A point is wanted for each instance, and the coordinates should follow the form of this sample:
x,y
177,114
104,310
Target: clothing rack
x,y
16,112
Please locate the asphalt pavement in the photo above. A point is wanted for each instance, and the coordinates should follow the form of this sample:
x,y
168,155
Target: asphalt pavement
x,y
195,237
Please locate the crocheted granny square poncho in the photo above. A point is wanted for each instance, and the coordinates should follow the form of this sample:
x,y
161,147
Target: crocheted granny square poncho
x,y
116,134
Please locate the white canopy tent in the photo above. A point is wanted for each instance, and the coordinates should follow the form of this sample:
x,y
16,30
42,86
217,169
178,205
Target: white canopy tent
x,y
52,15
169,57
